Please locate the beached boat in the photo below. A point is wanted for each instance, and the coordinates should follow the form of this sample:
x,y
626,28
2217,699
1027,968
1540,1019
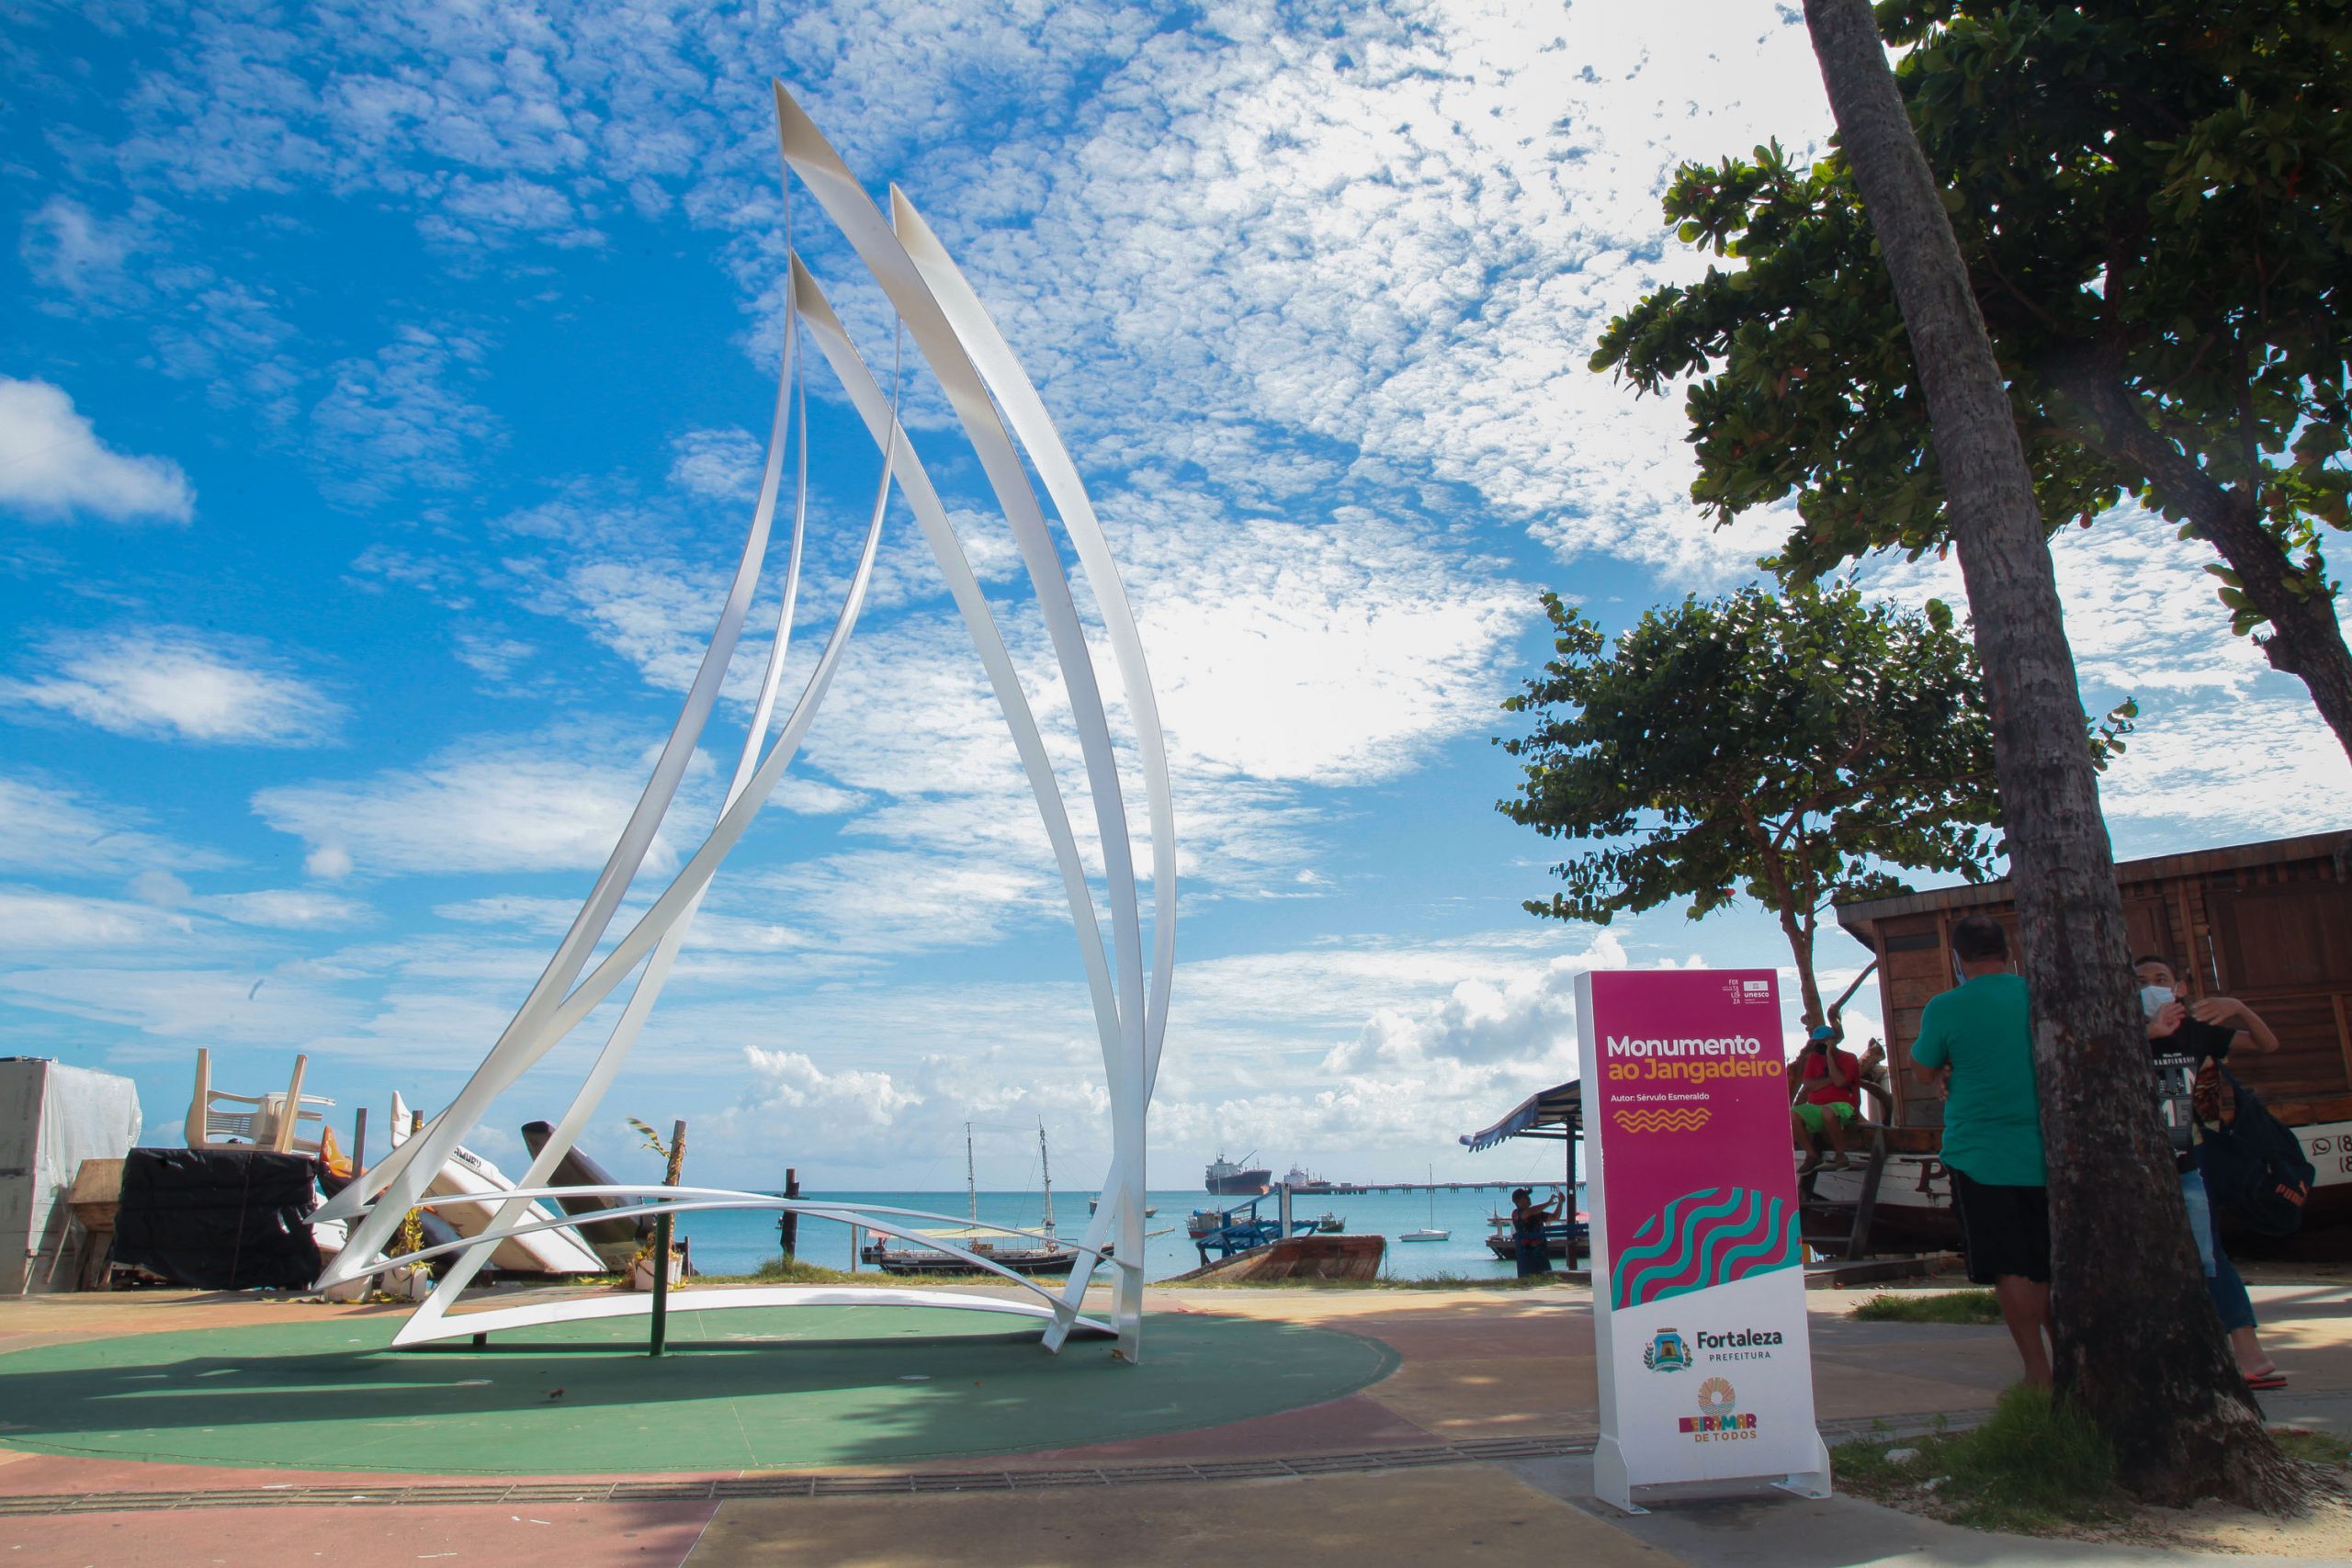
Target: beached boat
x,y
2269,923
465,1192
1227,1232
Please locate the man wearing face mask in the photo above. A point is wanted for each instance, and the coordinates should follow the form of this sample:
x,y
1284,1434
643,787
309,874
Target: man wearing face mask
x,y
2190,1045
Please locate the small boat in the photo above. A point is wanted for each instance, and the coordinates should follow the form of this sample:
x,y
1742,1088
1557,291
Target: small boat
x,y
1021,1254
895,1254
1226,1232
1430,1232
1332,1224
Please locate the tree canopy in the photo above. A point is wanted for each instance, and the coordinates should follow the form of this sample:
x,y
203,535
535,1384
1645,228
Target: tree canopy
x,y
2154,202
1784,749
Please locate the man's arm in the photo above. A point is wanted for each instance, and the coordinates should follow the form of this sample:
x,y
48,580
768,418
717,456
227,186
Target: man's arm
x,y
2229,1012
1839,1072
1930,1056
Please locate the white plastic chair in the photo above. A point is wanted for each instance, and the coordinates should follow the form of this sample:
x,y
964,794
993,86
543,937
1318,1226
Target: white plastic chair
x,y
215,1122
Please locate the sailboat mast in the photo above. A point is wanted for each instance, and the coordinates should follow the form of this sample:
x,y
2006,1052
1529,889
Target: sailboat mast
x,y
1046,1165
971,1182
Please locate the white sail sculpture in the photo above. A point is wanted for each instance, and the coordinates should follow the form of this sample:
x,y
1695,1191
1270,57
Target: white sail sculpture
x,y
1001,416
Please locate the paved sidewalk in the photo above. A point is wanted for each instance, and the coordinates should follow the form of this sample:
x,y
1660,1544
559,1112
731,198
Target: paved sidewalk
x,y
1476,1446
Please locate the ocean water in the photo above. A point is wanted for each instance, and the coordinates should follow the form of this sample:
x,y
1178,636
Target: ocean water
x,y
736,1242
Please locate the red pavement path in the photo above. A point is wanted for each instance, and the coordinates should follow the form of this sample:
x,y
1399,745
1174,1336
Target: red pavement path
x,y
563,1535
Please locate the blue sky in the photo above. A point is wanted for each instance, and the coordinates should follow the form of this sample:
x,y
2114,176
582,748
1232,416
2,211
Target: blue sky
x,y
380,402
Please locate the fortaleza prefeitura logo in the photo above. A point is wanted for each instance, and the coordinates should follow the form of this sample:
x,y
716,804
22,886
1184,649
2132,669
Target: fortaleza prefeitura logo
x,y
1739,1345
1719,1419
1669,1350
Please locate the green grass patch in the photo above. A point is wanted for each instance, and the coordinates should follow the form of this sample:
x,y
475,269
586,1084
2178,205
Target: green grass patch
x,y
2313,1448
1931,1306
2034,1468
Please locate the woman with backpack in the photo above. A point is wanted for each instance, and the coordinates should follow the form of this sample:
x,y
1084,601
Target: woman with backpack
x,y
2190,1045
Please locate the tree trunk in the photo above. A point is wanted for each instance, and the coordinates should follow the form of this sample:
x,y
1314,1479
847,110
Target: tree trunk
x,y
1801,948
2138,1342
2306,640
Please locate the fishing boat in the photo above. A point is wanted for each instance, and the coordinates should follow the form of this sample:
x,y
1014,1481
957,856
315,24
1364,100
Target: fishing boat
x,y
1227,1231
1330,1224
1431,1231
1021,1254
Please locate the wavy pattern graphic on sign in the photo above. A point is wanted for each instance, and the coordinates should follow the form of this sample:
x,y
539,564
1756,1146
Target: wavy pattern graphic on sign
x,y
1708,1237
1681,1119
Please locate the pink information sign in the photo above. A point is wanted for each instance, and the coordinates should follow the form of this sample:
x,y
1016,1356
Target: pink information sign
x,y
1705,1365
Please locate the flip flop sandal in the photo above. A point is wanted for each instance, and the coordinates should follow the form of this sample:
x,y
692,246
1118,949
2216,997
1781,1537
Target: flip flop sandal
x,y
2265,1381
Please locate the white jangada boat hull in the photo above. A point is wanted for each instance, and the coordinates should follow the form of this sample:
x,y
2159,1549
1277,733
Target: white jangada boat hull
x,y
1915,1213
468,1176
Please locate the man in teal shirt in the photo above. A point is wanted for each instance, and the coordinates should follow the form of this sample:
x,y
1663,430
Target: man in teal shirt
x,y
1975,1040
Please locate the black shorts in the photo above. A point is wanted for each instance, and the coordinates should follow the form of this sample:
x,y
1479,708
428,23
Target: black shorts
x,y
2004,1230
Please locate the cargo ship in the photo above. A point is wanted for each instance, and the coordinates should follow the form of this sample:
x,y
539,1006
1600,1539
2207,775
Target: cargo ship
x,y
1228,1179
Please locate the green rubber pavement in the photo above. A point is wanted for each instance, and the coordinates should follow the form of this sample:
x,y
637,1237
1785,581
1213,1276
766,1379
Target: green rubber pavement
x,y
755,1389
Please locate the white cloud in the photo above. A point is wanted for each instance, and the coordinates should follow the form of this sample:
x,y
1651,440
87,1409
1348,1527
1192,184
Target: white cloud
x,y
34,921
212,1007
68,247
397,418
875,901
1525,1018
484,807
790,1081
45,828
723,465
2224,748
52,464
329,861
1338,653
172,682
285,908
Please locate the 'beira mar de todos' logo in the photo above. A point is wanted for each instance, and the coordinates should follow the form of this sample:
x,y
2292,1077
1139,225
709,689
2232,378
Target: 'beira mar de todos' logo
x,y
1719,1415
1666,1352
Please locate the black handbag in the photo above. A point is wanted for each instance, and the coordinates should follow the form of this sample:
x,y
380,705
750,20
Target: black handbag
x,y
2256,1170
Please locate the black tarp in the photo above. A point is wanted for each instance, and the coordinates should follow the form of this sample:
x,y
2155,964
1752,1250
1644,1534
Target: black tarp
x,y
219,1219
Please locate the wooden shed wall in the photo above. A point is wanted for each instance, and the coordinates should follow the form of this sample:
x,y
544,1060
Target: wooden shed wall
x,y
2278,936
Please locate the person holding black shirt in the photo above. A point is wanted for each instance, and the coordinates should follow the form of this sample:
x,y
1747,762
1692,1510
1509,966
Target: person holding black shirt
x,y
2190,1045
